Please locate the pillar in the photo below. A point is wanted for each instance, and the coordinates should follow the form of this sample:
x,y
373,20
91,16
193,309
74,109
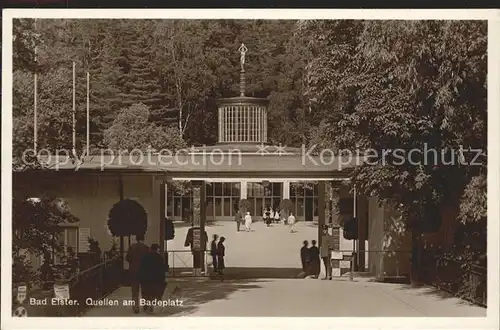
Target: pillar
x,y
199,217
362,231
321,209
243,190
162,215
333,197
286,190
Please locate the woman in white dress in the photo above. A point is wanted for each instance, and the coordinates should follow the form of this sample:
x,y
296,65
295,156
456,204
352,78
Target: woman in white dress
x,y
248,222
291,222
277,216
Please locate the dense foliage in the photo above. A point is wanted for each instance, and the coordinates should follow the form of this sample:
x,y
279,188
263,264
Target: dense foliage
x,y
409,85
175,68
35,230
126,218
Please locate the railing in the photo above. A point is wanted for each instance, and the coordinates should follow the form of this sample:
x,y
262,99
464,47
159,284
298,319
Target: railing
x,y
96,282
93,283
465,279
180,263
379,263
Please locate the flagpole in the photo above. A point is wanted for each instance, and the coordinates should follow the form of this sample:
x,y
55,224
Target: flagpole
x,y
35,104
88,114
74,111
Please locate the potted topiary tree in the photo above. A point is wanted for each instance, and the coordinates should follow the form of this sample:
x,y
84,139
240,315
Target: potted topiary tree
x,y
286,206
126,218
243,207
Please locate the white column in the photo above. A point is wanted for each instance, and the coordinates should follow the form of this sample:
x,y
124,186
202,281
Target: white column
x,y
243,190
166,200
258,124
236,119
220,124
265,126
286,189
225,124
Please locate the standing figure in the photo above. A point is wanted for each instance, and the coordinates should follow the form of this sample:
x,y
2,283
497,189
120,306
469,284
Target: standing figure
x,y
134,256
314,262
271,215
197,255
243,49
152,276
326,248
268,216
277,216
221,252
213,253
291,222
304,257
248,222
237,218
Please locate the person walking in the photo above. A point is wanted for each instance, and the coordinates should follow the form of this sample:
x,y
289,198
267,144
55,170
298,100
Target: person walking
x,y
237,218
291,222
267,213
314,261
304,257
248,222
271,215
277,216
134,256
221,253
325,249
152,276
213,252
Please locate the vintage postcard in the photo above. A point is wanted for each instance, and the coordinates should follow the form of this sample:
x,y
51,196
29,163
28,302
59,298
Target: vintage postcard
x,y
322,165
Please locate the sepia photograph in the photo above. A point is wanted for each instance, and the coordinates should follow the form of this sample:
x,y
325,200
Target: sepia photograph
x,y
234,167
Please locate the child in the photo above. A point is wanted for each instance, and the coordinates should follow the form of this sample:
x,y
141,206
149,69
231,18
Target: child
x,y
221,252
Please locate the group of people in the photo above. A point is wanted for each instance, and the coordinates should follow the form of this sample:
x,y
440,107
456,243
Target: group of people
x,y
269,216
147,270
310,256
218,251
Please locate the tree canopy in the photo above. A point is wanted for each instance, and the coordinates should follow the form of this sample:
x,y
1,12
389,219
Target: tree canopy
x,y
408,85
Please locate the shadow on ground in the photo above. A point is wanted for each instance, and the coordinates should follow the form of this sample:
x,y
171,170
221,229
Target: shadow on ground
x,y
185,296
435,293
241,273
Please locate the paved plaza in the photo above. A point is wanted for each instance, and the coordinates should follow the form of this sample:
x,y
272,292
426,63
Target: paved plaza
x,y
277,249
273,247
299,297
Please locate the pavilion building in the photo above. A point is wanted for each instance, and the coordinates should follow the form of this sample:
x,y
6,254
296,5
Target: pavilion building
x,y
206,183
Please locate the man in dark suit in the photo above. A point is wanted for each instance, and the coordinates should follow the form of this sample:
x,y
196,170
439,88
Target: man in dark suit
x,y
152,276
134,256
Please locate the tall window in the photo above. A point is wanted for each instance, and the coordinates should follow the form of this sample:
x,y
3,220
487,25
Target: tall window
x,y
222,200
304,197
261,196
68,240
242,123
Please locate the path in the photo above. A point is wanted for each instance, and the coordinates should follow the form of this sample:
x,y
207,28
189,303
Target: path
x,y
300,297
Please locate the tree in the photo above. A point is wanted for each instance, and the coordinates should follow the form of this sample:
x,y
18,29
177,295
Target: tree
x,y
36,224
132,130
387,85
126,218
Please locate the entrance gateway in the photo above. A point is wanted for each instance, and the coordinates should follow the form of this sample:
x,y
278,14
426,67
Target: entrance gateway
x,y
242,165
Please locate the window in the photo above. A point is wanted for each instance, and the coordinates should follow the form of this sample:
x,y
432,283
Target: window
x,y
304,196
68,239
261,196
